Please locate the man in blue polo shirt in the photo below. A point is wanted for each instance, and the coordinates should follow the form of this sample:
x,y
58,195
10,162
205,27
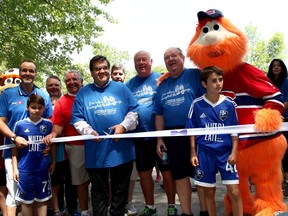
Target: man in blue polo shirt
x,y
13,108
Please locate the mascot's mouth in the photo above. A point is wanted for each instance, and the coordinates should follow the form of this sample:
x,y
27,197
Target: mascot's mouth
x,y
214,54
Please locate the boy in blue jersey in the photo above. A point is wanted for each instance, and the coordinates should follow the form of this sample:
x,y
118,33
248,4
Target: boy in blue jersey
x,y
30,166
215,152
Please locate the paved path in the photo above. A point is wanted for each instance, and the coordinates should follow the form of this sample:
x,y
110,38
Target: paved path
x,y
161,201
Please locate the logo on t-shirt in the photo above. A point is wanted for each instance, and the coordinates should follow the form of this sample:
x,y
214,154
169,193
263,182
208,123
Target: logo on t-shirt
x,y
223,114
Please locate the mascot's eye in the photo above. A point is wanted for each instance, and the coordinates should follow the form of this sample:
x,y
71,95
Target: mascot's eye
x,y
8,80
205,29
17,81
216,27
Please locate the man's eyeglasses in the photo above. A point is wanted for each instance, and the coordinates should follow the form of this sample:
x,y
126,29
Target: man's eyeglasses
x,y
97,69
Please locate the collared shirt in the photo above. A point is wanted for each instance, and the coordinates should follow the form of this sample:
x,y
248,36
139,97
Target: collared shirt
x,y
13,107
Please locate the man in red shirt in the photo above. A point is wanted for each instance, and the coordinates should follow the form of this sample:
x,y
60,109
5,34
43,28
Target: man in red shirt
x,y
75,150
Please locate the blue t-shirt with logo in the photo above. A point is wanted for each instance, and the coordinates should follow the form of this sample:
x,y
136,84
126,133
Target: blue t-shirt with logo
x,y
103,108
175,95
144,90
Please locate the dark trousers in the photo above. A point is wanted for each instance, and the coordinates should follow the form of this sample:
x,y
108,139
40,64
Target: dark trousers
x,y
69,190
120,178
71,195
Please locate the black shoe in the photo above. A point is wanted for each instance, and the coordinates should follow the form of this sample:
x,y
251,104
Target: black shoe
x,y
194,188
203,213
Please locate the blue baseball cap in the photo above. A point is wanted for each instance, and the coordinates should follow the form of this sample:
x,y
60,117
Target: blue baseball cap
x,y
210,14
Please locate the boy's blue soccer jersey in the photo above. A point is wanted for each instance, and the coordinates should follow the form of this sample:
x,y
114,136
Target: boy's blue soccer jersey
x,y
31,158
204,114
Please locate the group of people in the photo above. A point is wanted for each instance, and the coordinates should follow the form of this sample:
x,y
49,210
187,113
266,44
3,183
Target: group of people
x,y
186,98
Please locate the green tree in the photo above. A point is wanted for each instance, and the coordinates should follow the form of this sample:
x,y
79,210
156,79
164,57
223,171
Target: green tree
x,y
48,31
159,69
261,52
113,54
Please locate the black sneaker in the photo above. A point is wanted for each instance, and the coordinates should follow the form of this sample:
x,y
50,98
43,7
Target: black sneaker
x,y
203,213
148,212
172,211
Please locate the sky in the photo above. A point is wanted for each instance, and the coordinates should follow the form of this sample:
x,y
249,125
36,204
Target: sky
x,y
155,25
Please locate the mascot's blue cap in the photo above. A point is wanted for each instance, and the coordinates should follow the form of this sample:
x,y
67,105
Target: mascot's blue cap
x,y
210,14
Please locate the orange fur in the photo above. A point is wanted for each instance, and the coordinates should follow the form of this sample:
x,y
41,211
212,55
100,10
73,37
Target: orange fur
x,y
262,164
162,77
229,53
268,120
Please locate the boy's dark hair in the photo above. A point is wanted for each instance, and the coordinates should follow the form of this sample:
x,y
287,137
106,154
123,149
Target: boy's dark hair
x,y
207,71
98,58
34,98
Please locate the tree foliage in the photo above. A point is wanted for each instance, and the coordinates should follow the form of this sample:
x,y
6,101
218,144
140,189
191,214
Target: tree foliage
x,y
113,54
47,31
261,52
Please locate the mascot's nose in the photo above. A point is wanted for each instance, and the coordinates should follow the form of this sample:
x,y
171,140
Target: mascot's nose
x,y
212,37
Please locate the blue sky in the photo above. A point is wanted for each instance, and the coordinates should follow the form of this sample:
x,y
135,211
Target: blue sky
x,y
155,25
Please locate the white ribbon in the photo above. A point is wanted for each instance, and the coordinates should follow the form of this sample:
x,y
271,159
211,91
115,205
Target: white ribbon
x,y
249,128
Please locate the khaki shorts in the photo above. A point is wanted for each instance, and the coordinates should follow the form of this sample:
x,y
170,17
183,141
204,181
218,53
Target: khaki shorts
x,y
76,155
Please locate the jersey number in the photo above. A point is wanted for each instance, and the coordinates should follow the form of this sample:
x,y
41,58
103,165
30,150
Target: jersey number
x,y
231,168
46,186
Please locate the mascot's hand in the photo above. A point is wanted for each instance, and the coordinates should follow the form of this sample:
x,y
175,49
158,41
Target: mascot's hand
x,y
268,120
163,77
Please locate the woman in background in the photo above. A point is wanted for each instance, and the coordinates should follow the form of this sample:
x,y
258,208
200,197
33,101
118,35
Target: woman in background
x,y
277,73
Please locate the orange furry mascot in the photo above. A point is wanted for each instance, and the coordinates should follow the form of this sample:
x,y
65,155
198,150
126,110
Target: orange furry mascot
x,y
219,43
8,80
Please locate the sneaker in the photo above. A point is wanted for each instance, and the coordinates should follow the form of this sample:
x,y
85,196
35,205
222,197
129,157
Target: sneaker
x,y
158,178
75,213
194,188
148,212
172,211
284,185
85,214
58,213
130,209
203,213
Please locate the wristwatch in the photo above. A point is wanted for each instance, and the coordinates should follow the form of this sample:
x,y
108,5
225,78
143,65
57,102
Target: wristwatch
x,y
13,138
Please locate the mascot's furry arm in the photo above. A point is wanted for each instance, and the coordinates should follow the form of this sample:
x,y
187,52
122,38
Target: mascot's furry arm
x,y
268,120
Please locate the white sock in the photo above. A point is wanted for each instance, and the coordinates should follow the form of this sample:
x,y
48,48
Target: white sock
x,y
151,206
85,212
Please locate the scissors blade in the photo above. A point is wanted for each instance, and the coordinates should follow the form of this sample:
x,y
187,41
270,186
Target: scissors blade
x,y
105,133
